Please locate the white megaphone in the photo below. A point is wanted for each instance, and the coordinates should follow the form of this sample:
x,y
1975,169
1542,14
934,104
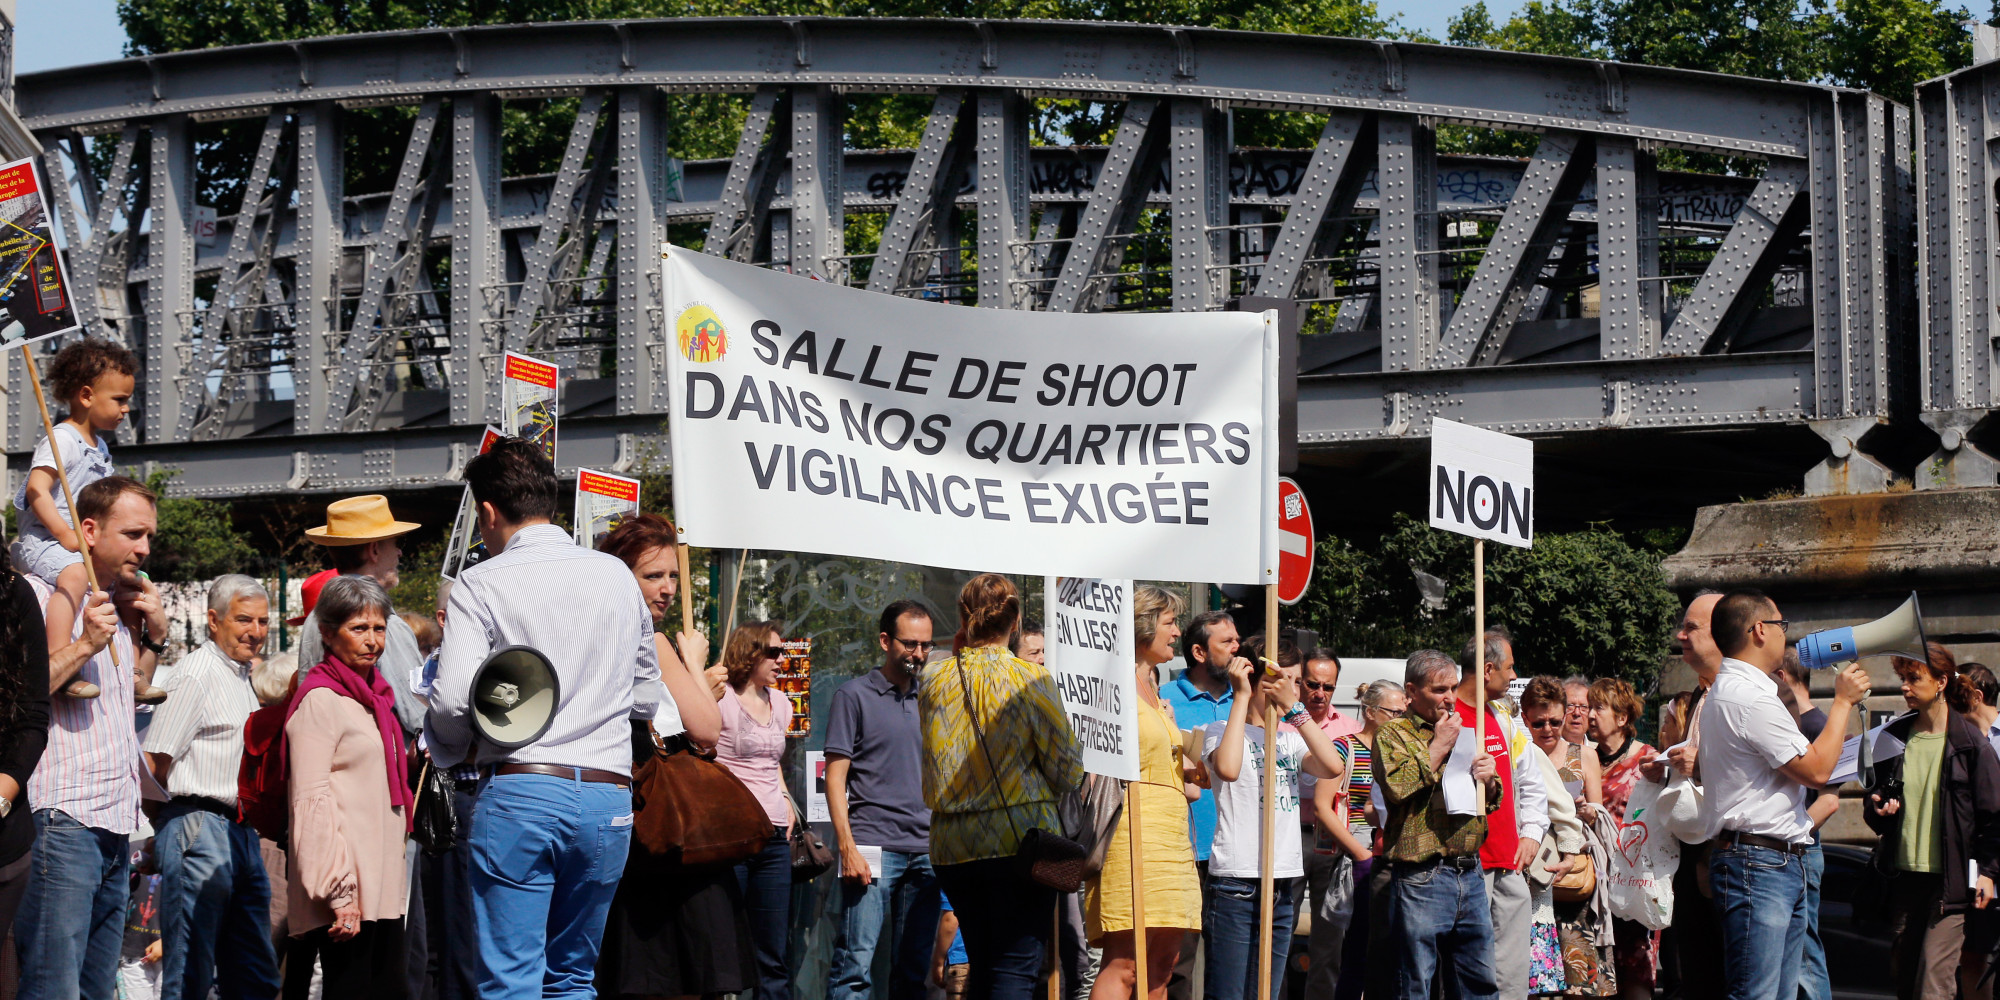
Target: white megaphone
x,y
514,697
1898,633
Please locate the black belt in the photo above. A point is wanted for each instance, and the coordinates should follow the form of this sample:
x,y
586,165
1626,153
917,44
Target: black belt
x,y
1731,838
206,804
1462,862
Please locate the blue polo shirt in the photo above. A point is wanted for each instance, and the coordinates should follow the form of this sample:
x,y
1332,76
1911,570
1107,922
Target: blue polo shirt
x,y
877,728
1193,709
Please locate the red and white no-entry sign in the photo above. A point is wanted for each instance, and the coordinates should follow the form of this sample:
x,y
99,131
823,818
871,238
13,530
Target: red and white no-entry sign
x,y
1295,542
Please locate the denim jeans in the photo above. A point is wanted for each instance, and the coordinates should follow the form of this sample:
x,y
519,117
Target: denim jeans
x,y
1008,921
547,853
1442,909
215,908
72,920
766,880
906,894
1231,936
1760,895
1814,983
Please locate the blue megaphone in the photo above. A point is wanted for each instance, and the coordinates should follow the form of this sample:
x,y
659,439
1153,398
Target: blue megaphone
x,y
1899,633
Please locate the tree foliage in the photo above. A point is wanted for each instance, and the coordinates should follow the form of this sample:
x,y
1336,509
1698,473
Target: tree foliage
x,y
1588,602
196,540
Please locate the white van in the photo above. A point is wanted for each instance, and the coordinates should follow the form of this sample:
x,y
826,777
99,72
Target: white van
x,y
1356,671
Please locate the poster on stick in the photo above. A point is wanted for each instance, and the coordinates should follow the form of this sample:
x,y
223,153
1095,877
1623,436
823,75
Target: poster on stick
x,y
528,401
603,502
1088,631
812,417
34,286
1482,483
465,548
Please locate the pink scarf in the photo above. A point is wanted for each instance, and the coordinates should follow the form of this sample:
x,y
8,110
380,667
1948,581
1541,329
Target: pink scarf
x,y
373,694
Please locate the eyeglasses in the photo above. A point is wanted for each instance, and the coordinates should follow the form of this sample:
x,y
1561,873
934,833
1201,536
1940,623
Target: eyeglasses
x,y
1393,713
1320,685
914,644
774,652
1782,623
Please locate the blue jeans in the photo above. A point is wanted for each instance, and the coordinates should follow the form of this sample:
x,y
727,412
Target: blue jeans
x,y
766,881
1231,936
215,907
907,895
547,853
1760,896
1008,921
1439,908
1814,984
72,920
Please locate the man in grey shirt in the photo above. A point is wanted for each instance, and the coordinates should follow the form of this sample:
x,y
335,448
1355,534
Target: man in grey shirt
x,y
360,536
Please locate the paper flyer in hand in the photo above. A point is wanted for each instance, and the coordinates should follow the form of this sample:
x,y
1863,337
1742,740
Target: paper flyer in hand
x,y
603,502
528,401
466,548
1461,793
34,285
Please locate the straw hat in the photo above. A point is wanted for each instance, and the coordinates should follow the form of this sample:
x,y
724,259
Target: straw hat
x,y
358,521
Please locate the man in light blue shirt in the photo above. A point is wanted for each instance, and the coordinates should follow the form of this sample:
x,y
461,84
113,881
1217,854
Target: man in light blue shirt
x,y
554,822
1201,695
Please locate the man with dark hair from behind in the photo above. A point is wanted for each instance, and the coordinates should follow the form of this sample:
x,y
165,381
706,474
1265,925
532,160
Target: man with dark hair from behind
x,y
1756,769
553,824
874,791
1200,696
1982,927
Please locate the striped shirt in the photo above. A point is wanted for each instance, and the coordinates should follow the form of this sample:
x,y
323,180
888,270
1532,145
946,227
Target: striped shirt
x,y
91,767
200,725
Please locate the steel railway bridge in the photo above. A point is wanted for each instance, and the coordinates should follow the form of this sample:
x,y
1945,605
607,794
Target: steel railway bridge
x,y
1819,285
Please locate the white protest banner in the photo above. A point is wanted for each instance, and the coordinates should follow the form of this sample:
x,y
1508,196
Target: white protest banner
x,y
1087,631
34,285
1482,483
813,417
528,401
603,502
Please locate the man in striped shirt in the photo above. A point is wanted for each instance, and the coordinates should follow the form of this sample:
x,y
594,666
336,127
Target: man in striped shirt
x,y
215,900
85,792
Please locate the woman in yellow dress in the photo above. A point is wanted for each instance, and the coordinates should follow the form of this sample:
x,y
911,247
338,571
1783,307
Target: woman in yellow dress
x,y
1172,892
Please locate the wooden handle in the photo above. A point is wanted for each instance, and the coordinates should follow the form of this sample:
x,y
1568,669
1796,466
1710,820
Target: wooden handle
x,y
1138,886
1479,644
687,591
62,476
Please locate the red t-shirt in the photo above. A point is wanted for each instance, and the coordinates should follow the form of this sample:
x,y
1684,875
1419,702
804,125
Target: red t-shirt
x,y
1503,840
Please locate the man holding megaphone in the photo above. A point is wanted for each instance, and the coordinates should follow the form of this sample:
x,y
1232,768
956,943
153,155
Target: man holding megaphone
x,y
548,655
1756,767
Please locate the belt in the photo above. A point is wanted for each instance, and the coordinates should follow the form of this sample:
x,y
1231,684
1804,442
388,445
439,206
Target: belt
x,y
1462,862
206,804
1731,838
559,771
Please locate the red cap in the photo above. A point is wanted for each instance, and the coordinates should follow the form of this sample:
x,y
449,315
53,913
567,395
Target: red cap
x,y
311,589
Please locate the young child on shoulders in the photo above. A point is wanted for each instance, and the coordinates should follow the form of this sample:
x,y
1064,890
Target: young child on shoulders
x,y
95,378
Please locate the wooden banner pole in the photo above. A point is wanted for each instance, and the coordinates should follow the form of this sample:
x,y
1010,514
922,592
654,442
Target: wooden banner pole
x,y
1478,665
687,592
1270,847
62,476
1055,944
1138,886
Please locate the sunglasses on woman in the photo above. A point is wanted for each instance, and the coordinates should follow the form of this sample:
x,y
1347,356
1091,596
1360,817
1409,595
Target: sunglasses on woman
x,y
774,652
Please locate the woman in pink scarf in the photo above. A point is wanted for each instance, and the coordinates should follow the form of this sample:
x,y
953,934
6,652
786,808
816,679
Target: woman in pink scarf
x,y
350,807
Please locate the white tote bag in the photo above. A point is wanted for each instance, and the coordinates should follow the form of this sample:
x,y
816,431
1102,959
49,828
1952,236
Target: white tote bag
x,y
1644,856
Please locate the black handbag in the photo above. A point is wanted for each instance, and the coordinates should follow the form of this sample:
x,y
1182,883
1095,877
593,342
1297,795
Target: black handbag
x,y
435,823
811,858
1051,859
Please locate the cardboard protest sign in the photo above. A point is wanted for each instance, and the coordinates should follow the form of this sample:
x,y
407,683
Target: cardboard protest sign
x,y
528,401
812,417
466,548
603,502
1482,483
34,285
1088,633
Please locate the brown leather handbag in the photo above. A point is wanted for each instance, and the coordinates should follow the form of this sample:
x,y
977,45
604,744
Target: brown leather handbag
x,y
687,809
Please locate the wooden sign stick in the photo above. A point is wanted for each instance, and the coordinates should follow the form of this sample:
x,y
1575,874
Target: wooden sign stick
x,y
62,476
1478,666
687,591
1138,886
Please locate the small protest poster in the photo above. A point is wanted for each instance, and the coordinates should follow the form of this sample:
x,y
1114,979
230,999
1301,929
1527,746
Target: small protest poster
x,y
466,548
528,401
1088,629
34,286
817,811
603,502
795,680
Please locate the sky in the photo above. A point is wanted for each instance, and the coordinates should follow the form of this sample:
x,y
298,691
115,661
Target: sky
x,y
55,33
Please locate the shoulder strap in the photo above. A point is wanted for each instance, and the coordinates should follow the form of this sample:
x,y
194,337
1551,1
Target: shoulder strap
x,y
979,737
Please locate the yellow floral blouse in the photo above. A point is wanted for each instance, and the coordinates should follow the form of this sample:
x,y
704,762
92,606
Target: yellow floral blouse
x,y
972,816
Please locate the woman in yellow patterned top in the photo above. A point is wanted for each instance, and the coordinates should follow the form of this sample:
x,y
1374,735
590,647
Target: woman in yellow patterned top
x,y
1172,891
990,779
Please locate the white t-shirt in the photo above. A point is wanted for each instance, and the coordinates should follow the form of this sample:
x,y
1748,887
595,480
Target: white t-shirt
x,y
1746,735
1239,806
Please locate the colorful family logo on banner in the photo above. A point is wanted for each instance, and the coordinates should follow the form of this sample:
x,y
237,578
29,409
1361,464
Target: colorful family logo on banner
x,y
1088,634
813,417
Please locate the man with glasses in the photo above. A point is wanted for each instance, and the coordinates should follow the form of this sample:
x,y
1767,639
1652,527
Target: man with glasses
x,y
1756,769
1323,853
875,793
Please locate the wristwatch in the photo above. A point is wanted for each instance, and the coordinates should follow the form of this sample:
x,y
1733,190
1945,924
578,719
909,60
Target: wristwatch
x,y
6,806
146,640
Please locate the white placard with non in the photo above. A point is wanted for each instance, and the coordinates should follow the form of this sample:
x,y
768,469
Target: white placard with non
x,y
1087,631
1482,483
812,417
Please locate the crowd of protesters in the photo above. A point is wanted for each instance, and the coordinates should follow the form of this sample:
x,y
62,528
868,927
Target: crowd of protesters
x,y
251,825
